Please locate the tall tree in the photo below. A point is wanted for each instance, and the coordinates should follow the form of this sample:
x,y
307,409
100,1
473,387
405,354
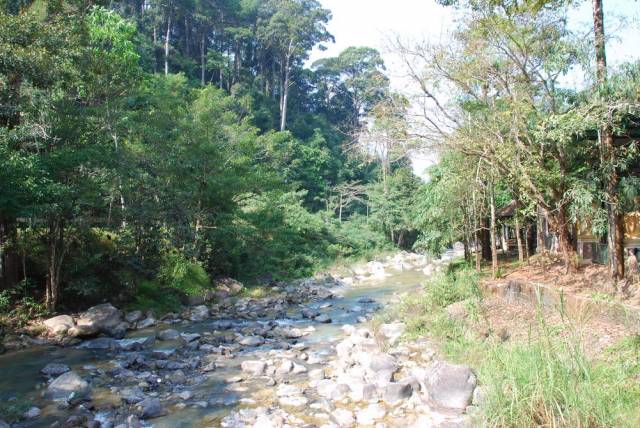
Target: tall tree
x,y
615,232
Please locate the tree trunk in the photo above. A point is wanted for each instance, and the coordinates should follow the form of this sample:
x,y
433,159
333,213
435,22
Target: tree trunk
x,y
202,59
285,95
494,246
9,258
166,46
540,247
56,255
616,235
519,240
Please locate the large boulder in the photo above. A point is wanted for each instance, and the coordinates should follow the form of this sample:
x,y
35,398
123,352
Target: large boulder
x,y
254,367
104,318
68,387
393,331
59,326
450,385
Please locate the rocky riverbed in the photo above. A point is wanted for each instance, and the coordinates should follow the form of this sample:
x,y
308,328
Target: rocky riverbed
x,y
303,356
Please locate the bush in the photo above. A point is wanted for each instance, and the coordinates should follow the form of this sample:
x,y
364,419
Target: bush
x,y
182,275
153,296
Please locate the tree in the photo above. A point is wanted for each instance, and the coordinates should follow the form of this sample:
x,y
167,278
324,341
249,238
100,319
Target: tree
x,y
291,28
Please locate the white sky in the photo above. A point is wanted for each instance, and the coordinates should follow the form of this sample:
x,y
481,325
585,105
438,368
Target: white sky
x,y
371,22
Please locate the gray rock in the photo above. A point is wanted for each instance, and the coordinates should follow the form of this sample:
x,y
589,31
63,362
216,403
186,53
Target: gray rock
x,y
286,390
151,408
132,395
254,367
450,385
251,341
370,414
59,325
68,386
3,424
133,317
146,323
285,367
168,334
392,332
396,392
343,418
32,413
316,374
324,319
104,318
100,343
55,369
136,343
199,313
190,337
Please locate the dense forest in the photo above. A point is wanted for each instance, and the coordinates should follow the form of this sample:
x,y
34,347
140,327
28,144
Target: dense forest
x,y
150,146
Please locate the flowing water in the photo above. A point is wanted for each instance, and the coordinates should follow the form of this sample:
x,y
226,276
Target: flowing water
x,y
20,377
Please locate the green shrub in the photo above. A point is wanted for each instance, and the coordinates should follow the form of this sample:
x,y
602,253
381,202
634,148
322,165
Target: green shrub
x,y
183,275
153,296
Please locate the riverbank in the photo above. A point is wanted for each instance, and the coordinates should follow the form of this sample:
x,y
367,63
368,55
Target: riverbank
x,y
537,363
241,359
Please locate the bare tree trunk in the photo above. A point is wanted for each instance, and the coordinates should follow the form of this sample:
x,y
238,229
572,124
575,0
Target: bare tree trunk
x,y
519,240
540,247
166,46
494,247
56,255
285,97
616,237
202,59
9,259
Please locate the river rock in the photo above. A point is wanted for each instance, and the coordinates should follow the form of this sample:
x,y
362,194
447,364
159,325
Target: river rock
x,y
146,323
104,318
133,317
343,418
199,313
309,313
3,424
151,408
285,367
226,287
254,367
32,413
190,337
68,386
286,390
393,331
396,392
54,369
100,343
450,385
317,374
59,326
251,341
135,343
168,334
370,414
324,319
132,395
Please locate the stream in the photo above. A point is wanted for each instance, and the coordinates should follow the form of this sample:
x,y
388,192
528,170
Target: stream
x,y
193,396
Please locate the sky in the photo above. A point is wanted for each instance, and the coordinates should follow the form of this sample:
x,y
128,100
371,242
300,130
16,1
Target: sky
x,y
372,22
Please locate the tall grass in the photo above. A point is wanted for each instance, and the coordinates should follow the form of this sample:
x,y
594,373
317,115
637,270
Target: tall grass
x,y
544,381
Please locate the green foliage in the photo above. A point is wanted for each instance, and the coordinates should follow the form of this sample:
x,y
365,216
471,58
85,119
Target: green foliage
x,y
153,296
182,275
